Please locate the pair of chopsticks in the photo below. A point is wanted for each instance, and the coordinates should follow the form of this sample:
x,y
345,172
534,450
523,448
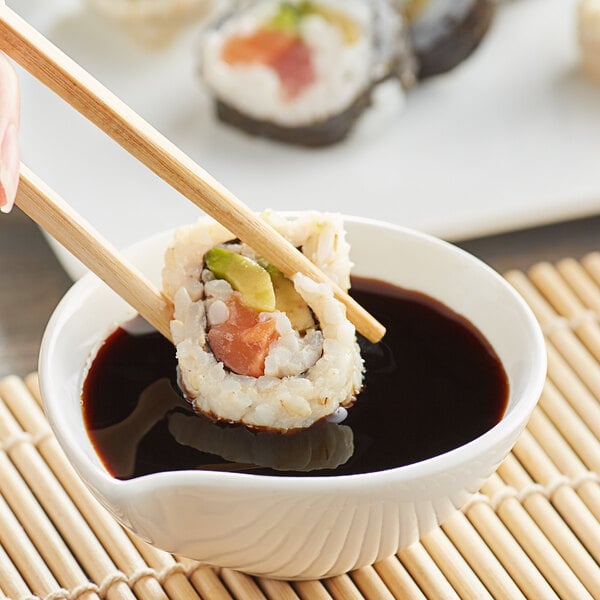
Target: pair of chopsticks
x,y
77,87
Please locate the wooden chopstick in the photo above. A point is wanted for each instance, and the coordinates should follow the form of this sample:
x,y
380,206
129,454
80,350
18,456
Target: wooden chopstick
x,y
84,93
53,214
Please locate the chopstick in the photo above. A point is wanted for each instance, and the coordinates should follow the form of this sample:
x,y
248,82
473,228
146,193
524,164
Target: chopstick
x,y
84,93
53,214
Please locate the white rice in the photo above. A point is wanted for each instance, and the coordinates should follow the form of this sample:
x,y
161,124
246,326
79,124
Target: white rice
x,y
144,9
306,377
154,22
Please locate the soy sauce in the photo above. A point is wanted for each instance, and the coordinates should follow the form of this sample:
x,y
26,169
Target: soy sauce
x,y
433,384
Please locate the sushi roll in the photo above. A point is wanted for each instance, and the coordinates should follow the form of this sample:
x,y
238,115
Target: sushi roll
x,y
446,32
153,22
254,347
588,25
302,71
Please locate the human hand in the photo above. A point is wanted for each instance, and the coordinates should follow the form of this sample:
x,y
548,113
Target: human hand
x,y
9,134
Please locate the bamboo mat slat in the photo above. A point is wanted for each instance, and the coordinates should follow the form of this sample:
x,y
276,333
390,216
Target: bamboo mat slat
x,y
533,531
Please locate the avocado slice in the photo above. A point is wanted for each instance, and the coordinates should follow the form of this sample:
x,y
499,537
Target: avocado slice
x,y
244,275
287,18
288,300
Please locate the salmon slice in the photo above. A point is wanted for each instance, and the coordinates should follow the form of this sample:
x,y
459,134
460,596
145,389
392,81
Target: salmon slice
x,y
262,47
287,54
242,342
295,69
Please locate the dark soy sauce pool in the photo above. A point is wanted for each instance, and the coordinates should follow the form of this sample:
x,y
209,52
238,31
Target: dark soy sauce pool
x,y
433,384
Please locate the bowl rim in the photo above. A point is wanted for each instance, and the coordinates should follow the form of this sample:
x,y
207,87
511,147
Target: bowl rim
x,y
511,422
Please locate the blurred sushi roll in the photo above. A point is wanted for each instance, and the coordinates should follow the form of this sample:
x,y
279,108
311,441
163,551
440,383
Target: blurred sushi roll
x,y
154,22
446,32
302,71
253,346
588,25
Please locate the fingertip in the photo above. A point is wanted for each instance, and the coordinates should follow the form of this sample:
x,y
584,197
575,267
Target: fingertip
x,y
5,205
9,167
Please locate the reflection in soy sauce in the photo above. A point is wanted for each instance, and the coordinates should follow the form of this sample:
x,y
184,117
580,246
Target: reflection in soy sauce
x,y
324,446
380,357
124,437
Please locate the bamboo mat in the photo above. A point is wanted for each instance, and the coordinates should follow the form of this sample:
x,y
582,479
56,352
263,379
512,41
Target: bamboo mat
x,y
533,531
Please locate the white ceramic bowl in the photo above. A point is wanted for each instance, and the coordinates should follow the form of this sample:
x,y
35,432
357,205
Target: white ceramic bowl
x,y
305,527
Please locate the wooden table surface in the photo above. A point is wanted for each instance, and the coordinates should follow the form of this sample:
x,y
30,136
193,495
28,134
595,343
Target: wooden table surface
x,y
32,280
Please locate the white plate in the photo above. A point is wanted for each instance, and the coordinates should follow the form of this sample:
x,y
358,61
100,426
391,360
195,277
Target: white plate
x,y
511,138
